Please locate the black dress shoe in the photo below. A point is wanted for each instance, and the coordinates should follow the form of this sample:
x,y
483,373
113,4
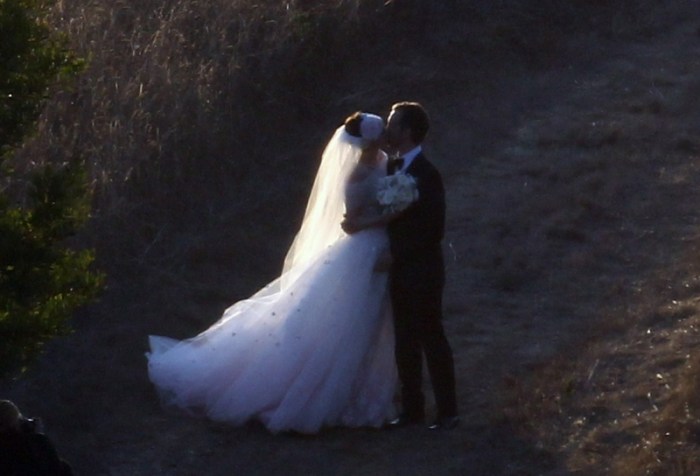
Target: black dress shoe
x,y
445,423
405,420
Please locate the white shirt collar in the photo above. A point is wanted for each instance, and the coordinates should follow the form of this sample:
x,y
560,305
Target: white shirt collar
x,y
409,156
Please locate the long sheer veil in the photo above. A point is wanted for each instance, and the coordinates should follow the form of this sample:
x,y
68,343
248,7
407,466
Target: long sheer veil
x,y
320,227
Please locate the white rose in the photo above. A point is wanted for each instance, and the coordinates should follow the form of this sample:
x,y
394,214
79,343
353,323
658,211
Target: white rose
x,y
396,192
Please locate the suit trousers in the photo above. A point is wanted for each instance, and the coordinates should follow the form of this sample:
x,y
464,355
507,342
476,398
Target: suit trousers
x,y
419,331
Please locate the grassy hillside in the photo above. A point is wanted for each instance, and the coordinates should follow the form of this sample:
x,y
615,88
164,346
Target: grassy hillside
x,y
566,132
194,113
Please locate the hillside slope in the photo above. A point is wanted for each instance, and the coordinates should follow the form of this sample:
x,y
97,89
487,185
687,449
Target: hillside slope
x,y
572,181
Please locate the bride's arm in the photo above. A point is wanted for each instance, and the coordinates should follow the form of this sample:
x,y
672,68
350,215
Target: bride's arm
x,y
367,215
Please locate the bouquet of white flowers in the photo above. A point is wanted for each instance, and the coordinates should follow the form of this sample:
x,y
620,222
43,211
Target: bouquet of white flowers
x,y
396,192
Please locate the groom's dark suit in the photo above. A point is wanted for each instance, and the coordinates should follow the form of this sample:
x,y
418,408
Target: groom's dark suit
x,y
417,278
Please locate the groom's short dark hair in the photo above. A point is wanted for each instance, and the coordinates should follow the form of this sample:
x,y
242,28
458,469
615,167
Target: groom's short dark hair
x,y
415,117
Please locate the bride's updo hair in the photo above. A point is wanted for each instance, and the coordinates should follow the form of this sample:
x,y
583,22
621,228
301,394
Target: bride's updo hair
x,y
361,128
352,124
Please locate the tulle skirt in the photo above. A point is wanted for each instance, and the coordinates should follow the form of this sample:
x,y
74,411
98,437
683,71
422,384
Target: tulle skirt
x,y
312,349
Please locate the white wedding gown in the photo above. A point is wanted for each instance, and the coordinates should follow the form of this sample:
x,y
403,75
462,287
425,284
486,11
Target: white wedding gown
x,y
312,349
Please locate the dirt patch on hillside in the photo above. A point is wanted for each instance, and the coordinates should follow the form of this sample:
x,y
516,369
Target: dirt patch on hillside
x,y
572,193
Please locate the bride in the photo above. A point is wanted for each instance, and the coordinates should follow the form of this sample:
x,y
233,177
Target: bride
x,y
314,348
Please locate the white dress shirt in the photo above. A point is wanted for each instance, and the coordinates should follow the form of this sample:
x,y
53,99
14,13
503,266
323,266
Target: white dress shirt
x,y
409,156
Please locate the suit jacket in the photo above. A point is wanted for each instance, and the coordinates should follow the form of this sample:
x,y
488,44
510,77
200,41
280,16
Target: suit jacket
x,y
415,236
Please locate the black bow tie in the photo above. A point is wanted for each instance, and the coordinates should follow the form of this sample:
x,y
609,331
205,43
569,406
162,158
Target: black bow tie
x,y
396,163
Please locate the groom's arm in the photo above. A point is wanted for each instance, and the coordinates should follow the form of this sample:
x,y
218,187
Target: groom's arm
x,y
365,217
358,223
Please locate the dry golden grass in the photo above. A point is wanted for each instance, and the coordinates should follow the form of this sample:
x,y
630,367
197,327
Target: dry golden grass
x,y
181,98
175,112
202,123
624,400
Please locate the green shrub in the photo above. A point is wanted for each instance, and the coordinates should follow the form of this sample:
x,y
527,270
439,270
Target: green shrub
x,y
42,280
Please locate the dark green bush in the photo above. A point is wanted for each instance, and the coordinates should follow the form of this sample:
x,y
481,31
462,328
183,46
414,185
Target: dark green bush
x,y
42,280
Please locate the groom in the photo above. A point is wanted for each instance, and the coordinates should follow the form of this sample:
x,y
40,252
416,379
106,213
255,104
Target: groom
x,y
417,275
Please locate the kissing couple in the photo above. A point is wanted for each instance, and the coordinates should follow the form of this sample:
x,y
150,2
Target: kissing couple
x,y
356,308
